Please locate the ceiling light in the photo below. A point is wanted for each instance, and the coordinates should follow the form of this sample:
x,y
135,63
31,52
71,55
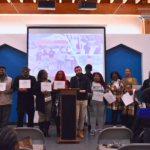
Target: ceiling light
x,y
111,1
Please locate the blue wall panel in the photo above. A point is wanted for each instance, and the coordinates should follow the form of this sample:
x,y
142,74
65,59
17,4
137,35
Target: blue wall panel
x,y
118,59
13,60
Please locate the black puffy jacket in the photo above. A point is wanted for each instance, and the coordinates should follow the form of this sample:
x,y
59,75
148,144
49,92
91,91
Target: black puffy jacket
x,y
83,83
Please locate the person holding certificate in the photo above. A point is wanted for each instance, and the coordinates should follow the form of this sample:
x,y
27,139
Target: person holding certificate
x,y
23,84
60,76
129,80
6,92
116,87
97,106
82,82
42,92
128,112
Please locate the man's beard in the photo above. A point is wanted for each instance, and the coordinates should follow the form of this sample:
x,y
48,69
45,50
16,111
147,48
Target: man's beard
x,y
1,75
78,75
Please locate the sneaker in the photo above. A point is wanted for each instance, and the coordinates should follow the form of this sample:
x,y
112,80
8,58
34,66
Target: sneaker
x,y
99,130
92,132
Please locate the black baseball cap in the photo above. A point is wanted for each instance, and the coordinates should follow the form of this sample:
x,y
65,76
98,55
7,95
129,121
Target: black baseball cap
x,y
25,69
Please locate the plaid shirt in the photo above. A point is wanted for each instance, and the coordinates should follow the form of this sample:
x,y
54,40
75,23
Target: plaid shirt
x,y
130,109
116,92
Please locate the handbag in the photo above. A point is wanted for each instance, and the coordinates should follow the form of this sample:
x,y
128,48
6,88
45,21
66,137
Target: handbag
x,y
26,142
48,99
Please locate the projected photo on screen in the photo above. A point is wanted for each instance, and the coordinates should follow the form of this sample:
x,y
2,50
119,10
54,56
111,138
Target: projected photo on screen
x,y
63,51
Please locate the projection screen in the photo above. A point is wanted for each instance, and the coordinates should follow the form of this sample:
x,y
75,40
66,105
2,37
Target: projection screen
x,y
63,48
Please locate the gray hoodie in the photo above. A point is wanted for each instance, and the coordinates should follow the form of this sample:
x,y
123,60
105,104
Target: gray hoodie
x,y
6,99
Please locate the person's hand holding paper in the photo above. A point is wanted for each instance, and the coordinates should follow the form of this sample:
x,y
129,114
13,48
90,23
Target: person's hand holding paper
x,y
6,91
44,92
82,91
23,89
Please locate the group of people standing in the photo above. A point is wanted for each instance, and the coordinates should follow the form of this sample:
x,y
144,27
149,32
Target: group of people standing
x,y
48,103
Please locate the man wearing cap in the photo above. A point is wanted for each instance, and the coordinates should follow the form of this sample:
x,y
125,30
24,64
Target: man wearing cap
x,y
82,82
25,100
5,97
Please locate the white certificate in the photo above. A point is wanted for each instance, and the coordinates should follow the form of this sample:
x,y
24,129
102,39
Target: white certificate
x,y
136,87
46,86
59,85
109,97
97,96
2,86
24,84
127,99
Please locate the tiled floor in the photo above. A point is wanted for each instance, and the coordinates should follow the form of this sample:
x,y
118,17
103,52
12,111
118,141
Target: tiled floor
x,y
88,143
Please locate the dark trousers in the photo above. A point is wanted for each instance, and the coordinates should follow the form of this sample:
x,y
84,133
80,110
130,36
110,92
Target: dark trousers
x,y
127,120
21,116
4,115
114,116
57,122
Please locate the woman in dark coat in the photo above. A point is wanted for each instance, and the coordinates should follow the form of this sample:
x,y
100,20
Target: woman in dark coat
x,y
43,102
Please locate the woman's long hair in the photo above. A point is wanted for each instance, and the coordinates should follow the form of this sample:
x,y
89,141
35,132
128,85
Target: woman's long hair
x,y
102,82
63,79
39,77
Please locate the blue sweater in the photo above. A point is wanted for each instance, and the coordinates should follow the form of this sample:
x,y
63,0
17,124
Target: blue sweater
x,y
144,112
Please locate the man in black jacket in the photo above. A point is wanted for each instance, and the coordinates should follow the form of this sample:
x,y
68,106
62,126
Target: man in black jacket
x,y
25,100
146,83
82,82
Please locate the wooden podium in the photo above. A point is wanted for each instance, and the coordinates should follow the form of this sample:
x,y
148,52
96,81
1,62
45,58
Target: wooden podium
x,y
68,127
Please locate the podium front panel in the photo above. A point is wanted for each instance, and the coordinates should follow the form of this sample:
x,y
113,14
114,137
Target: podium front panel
x,y
68,117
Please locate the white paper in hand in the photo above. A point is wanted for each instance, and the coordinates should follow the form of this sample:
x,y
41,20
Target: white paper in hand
x,y
109,97
24,84
127,99
46,86
59,85
136,87
97,96
2,86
